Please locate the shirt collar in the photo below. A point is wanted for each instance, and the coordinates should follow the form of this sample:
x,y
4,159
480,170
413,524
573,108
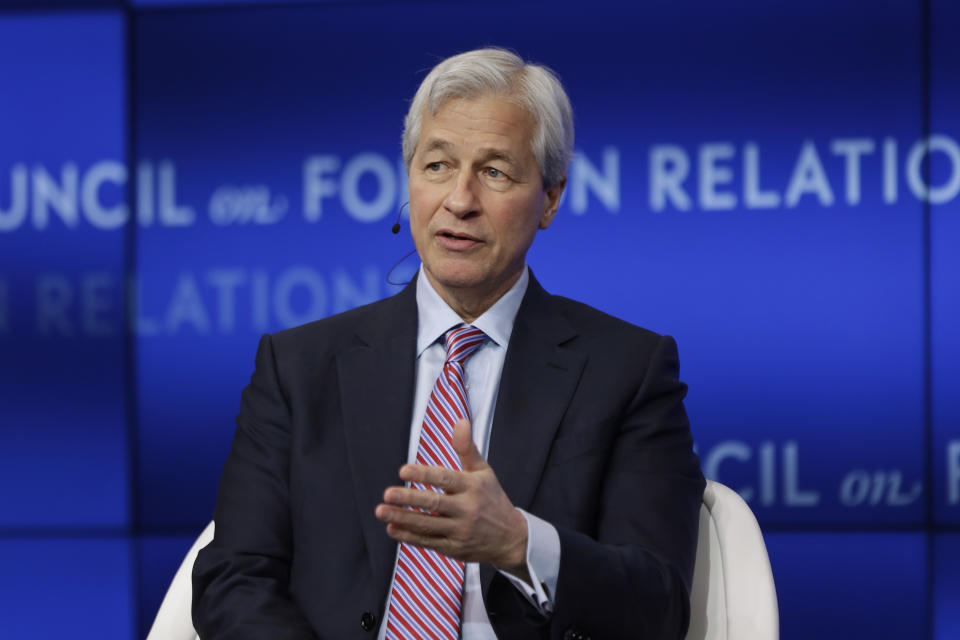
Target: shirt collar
x,y
435,317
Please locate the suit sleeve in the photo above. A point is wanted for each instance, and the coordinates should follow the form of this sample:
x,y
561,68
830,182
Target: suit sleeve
x,y
642,559
630,576
240,580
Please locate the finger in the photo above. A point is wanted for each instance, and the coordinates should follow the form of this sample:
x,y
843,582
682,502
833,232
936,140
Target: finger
x,y
438,544
421,499
422,524
470,458
450,480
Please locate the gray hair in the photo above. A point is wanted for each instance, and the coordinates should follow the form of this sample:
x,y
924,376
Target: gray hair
x,y
534,87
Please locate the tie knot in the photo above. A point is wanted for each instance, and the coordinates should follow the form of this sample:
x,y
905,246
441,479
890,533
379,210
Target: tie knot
x,y
462,342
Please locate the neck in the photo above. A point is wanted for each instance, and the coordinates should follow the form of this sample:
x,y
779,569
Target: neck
x,y
468,302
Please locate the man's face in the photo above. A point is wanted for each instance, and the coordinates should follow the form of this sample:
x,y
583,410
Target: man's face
x,y
476,197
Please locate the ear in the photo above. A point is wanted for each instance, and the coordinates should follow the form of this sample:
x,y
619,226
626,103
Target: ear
x,y
551,202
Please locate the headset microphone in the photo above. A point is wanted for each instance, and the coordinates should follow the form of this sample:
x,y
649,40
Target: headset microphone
x,y
396,225
395,229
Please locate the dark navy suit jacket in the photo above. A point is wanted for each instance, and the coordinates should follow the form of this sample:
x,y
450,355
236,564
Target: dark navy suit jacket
x,y
589,433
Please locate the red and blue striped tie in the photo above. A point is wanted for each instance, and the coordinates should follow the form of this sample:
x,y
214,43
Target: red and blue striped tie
x,y
428,586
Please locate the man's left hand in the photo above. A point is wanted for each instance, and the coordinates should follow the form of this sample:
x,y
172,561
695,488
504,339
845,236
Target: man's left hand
x,y
473,520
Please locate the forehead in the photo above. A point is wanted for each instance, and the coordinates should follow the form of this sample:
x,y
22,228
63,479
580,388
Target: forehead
x,y
487,121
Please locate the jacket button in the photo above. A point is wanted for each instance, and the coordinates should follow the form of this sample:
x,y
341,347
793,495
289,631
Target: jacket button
x,y
368,621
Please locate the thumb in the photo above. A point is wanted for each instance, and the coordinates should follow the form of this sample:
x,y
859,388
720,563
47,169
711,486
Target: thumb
x,y
470,457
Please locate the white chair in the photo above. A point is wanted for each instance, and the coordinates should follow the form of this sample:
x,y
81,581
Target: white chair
x,y
733,596
173,621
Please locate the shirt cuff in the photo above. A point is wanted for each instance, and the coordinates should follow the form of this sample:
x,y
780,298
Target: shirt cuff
x,y
543,564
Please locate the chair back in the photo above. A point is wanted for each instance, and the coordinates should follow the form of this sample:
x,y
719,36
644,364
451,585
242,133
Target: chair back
x,y
173,621
733,596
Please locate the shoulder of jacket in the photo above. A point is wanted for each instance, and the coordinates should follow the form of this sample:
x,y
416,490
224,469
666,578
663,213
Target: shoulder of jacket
x,y
588,320
330,333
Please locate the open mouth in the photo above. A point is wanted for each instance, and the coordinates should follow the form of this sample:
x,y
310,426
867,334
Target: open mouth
x,y
457,236
457,241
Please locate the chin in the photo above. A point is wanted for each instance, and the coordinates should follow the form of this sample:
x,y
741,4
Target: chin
x,y
459,276
458,281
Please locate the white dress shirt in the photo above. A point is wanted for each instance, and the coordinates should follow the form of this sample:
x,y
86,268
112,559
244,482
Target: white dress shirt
x,y
482,373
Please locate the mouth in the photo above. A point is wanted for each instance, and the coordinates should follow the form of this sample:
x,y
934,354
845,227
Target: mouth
x,y
455,235
456,240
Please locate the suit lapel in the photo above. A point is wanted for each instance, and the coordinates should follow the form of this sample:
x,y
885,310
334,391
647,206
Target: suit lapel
x,y
539,376
376,376
376,391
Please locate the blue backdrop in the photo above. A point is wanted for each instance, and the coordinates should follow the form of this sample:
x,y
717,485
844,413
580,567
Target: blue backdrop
x,y
776,185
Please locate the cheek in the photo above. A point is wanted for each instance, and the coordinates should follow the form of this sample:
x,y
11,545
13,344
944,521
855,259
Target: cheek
x,y
423,202
522,215
419,213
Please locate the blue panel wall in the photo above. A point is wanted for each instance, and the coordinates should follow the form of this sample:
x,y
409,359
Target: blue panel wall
x,y
945,261
67,588
63,427
946,586
850,585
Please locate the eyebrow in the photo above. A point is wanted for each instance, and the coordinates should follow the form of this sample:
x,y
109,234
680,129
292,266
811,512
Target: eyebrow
x,y
485,153
492,153
436,144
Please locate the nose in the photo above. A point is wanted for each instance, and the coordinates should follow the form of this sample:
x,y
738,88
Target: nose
x,y
462,199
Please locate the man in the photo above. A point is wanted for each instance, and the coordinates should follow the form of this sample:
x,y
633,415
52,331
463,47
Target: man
x,y
550,489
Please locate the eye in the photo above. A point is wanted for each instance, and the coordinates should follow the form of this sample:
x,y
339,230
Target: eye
x,y
435,166
496,174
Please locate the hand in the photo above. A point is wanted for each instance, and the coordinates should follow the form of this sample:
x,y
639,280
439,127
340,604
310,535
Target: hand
x,y
473,520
